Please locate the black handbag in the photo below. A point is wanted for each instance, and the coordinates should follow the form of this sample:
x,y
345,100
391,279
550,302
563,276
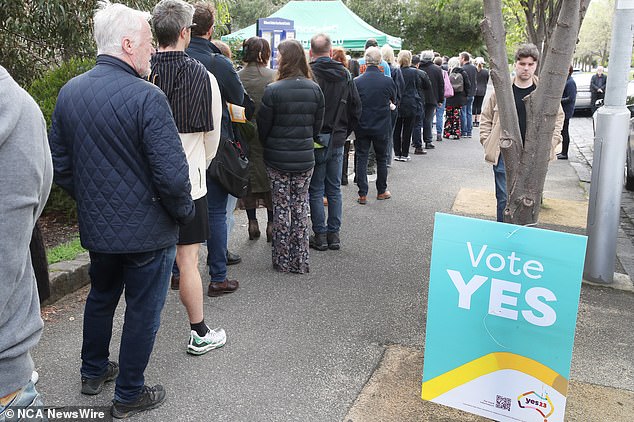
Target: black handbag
x,y
230,168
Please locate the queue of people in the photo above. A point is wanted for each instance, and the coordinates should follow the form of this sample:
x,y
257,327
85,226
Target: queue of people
x,y
132,140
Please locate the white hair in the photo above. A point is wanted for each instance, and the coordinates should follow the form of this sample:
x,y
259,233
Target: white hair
x,y
427,55
453,62
372,56
388,53
113,22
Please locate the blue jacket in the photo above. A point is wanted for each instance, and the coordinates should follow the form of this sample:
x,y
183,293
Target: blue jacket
x,y
116,150
376,91
229,82
569,97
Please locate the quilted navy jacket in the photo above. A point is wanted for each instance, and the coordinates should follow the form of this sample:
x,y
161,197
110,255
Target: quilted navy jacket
x,y
116,150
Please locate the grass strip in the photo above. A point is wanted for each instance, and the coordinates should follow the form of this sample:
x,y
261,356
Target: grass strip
x,y
64,252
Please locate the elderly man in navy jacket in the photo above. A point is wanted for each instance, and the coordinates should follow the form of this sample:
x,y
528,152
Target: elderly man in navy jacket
x,y
117,152
378,94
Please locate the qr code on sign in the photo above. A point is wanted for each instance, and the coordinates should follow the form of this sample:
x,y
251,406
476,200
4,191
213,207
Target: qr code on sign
x,y
503,403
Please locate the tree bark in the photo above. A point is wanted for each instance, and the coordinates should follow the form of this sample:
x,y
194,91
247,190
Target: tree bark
x,y
495,37
526,166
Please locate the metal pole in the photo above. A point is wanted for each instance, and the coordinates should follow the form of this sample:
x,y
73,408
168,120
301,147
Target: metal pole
x,y
612,129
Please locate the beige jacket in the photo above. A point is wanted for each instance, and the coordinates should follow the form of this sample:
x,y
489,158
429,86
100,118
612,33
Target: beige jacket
x,y
490,130
200,147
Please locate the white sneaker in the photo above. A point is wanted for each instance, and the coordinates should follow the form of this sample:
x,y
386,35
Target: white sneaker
x,y
408,158
35,377
201,345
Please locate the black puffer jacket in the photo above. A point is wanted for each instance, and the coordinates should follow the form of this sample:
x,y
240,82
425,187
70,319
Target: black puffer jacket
x,y
436,92
413,95
290,118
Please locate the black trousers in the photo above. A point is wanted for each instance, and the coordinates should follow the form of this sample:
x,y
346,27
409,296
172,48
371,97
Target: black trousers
x,y
403,135
566,137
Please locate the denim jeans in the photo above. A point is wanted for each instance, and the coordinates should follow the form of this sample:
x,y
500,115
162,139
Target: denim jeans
x,y
27,398
144,277
499,171
217,198
390,137
428,122
440,111
466,118
231,220
362,146
326,180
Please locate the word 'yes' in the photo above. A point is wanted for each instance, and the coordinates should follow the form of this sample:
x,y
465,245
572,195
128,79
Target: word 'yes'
x,y
497,298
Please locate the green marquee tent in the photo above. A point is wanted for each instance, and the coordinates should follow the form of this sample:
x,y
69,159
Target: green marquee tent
x,y
346,29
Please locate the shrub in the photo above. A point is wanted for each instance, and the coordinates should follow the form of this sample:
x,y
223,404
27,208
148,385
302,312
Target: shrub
x,y
45,90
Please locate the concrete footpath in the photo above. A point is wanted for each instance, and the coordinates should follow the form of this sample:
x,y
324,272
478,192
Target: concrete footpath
x,y
345,342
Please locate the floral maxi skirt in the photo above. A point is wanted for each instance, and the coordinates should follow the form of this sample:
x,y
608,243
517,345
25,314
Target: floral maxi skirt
x,y
291,222
452,122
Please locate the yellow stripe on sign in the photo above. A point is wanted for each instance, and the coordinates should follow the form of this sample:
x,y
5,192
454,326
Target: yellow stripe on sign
x,y
488,364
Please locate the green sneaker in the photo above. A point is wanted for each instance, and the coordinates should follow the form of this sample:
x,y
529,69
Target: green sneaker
x,y
201,345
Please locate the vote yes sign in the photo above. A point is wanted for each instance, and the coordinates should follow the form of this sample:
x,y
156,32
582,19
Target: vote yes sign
x,y
501,318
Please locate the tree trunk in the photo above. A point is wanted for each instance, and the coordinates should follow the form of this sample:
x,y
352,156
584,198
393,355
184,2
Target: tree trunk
x,y
526,166
495,37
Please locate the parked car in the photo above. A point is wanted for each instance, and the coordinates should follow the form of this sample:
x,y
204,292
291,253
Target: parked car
x,y
629,158
583,90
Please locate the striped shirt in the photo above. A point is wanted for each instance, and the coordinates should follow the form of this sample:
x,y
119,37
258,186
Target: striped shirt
x,y
186,83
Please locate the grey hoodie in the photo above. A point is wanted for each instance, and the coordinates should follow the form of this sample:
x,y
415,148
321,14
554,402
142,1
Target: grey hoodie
x,y
26,172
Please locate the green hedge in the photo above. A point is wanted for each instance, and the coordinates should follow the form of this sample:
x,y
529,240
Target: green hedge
x,y
45,90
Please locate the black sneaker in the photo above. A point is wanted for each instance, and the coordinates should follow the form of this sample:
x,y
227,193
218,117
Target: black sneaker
x,y
150,398
333,241
318,242
92,386
175,282
429,145
233,258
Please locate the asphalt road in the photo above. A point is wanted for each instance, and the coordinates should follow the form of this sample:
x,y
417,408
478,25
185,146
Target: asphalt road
x,y
302,347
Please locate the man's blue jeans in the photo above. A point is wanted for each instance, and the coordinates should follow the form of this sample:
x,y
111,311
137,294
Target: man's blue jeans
x,y
144,277
231,220
27,398
390,137
217,243
466,118
326,180
499,171
440,112
361,148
